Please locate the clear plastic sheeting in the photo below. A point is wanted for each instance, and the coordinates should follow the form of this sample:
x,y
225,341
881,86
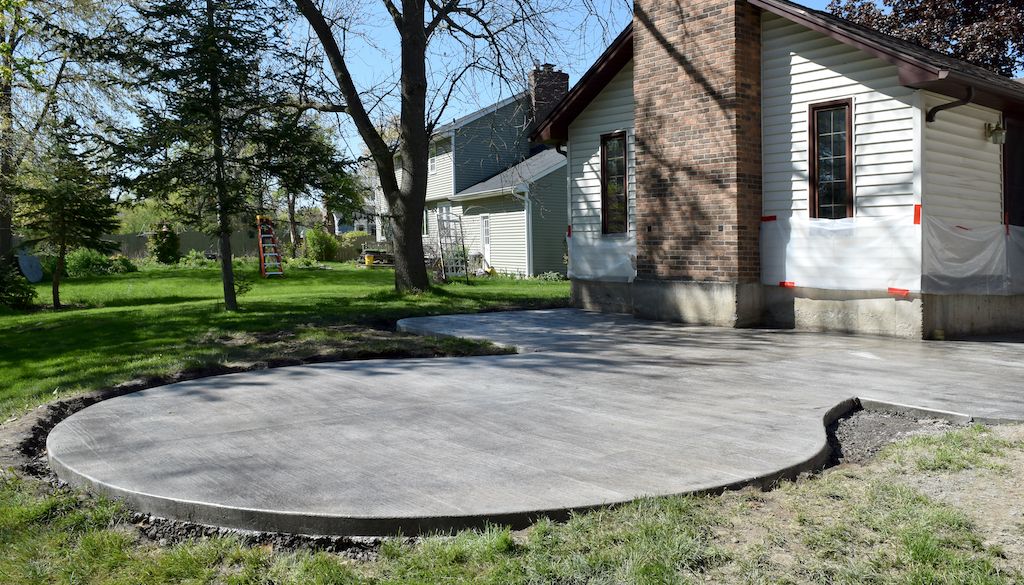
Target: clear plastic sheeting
x,y
855,254
597,257
982,260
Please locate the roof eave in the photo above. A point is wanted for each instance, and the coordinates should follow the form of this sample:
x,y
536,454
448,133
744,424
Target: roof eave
x,y
510,190
554,129
912,72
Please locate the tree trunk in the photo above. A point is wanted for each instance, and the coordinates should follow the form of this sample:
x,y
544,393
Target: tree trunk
x,y
410,269
293,226
406,201
330,225
6,158
55,282
227,274
407,204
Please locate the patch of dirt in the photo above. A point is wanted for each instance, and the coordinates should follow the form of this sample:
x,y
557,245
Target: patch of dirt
x,y
858,436
992,497
165,532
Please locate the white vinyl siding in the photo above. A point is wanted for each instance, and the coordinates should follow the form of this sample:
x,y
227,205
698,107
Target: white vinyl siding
x,y
800,68
548,213
440,181
430,241
508,231
611,111
962,168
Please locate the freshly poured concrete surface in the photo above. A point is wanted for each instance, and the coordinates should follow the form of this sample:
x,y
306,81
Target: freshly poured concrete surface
x,y
598,409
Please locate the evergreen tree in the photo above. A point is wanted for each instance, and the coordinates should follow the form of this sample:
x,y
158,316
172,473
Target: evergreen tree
x,y
66,203
200,64
305,163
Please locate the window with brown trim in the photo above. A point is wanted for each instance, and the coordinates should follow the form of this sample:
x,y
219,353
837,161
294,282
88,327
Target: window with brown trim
x,y
614,206
831,159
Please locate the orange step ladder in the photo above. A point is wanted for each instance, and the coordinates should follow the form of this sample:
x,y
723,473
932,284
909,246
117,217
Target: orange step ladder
x,y
271,263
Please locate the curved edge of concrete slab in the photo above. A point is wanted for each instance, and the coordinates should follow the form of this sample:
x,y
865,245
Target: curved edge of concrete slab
x,y
412,325
322,524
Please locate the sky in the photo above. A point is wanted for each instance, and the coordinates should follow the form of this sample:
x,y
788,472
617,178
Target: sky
x,y
578,39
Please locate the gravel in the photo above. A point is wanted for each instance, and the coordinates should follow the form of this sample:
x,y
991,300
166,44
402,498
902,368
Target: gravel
x,y
859,435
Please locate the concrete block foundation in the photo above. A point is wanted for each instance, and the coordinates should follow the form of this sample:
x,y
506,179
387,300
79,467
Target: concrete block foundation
x,y
916,316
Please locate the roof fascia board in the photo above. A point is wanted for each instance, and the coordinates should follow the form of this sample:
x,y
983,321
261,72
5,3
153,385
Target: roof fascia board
x,y
554,128
510,190
908,66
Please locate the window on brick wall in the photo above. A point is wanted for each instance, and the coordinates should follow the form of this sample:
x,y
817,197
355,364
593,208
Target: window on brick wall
x,y
614,206
831,159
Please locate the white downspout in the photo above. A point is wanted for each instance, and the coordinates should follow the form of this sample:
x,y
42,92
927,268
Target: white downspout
x,y
528,206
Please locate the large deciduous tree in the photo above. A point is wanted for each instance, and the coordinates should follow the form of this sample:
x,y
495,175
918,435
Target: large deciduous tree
x,y
495,36
988,33
42,65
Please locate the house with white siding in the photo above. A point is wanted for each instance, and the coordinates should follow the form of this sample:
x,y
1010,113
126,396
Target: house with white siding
x,y
508,195
756,162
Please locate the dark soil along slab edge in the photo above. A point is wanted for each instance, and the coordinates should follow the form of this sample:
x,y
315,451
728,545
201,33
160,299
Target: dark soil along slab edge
x,y
855,437
859,435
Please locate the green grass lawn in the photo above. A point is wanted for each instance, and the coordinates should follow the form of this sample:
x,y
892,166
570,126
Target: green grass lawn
x,y
161,321
889,521
928,510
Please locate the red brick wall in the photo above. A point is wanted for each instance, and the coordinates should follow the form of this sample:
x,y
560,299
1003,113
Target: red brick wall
x,y
697,86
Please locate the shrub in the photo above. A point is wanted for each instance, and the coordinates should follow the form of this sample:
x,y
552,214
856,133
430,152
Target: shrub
x,y
87,262
195,259
163,245
551,276
15,291
122,265
320,246
354,238
301,262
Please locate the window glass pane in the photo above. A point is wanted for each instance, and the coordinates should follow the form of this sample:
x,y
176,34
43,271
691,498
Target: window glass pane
x,y
839,194
824,121
613,185
839,119
824,145
831,152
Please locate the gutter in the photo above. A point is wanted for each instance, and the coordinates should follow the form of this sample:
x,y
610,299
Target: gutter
x,y
930,116
513,191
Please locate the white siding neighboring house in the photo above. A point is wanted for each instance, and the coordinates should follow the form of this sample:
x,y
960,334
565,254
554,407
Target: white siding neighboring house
x,y
483,170
524,208
881,213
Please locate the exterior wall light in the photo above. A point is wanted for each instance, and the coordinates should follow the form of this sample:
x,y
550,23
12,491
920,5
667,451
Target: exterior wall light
x,y
996,133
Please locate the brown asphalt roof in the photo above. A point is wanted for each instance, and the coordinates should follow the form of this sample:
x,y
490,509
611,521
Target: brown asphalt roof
x,y
917,67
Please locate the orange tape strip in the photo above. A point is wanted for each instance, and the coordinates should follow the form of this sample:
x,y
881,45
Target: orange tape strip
x,y
787,284
900,292
917,214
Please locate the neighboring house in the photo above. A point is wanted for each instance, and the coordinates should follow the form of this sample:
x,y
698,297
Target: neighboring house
x,y
510,197
755,162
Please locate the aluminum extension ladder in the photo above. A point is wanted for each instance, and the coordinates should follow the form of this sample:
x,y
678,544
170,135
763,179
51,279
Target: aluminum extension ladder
x,y
271,263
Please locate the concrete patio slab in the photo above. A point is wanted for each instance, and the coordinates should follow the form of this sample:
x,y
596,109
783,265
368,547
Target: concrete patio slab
x,y
598,409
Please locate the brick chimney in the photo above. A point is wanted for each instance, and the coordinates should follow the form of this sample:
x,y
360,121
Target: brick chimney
x,y
547,86
697,85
